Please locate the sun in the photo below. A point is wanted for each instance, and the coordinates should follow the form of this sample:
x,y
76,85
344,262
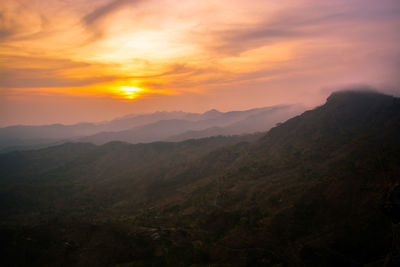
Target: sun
x,y
130,92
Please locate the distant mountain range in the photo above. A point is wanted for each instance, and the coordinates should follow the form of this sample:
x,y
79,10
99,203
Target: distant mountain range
x,y
321,189
159,126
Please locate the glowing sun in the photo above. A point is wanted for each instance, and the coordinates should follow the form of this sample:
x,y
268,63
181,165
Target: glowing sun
x,y
130,92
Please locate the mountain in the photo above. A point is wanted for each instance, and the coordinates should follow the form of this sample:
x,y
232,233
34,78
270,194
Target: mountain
x,y
25,137
260,121
320,189
211,123
152,127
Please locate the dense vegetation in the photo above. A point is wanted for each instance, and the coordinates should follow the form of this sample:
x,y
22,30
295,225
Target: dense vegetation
x,y
313,191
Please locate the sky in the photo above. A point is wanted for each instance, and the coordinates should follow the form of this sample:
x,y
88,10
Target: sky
x,y
69,61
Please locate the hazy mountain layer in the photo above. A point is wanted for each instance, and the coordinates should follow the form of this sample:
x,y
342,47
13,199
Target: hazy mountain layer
x,y
229,123
157,126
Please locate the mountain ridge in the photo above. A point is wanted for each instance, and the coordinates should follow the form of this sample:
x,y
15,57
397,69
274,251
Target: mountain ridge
x,y
125,129
309,192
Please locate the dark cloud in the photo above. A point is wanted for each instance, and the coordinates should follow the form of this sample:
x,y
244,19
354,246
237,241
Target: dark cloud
x,y
105,10
7,33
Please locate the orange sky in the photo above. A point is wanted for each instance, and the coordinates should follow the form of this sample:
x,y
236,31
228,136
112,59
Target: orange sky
x,y
69,61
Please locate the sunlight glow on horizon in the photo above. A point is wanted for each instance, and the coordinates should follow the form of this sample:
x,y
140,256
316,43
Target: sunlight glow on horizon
x,y
168,54
130,92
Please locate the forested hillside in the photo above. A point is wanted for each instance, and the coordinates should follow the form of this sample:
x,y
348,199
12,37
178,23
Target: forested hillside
x,y
316,190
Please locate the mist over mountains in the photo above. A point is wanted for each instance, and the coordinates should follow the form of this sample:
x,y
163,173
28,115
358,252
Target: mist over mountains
x,y
320,189
158,126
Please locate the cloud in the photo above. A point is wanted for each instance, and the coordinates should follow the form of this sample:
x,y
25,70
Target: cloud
x,y
105,10
44,78
310,20
17,21
41,72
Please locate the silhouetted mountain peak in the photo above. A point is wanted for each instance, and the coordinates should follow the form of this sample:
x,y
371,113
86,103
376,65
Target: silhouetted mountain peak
x,y
360,107
345,114
356,96
212,112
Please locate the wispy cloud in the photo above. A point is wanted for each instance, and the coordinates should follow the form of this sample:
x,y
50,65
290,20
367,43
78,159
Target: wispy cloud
x,y
42,72
322,19
105,10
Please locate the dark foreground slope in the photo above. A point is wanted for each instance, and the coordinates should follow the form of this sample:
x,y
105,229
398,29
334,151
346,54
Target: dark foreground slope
x,y
311,192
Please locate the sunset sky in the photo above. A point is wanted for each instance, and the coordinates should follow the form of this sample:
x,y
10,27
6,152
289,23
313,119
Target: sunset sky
x,y
70,61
